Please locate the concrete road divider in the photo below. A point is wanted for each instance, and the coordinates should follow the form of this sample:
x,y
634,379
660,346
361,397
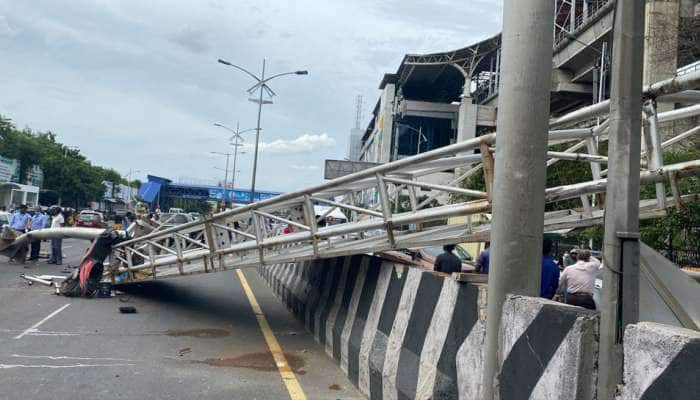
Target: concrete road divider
x,y
401,332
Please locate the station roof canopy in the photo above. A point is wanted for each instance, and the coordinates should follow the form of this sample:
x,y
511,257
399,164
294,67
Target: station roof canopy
x,y
441,76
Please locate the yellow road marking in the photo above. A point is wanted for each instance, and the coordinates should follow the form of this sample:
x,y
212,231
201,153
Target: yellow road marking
x,y
288,376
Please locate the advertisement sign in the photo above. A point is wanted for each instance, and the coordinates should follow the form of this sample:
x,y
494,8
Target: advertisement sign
x,y
9,169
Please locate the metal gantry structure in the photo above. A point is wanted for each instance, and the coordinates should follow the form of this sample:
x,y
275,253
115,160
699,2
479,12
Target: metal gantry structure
x,y
389,205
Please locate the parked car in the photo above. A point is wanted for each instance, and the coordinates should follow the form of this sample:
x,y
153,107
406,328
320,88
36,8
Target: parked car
x,y
172,219
4,219
90,219
195,216
425,257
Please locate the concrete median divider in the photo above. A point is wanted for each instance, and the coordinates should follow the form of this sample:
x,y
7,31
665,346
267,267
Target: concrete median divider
x,y
400,332
661,362
395,330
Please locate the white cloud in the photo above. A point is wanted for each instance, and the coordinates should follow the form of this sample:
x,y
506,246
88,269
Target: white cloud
x,y
303,144
136,83
304,167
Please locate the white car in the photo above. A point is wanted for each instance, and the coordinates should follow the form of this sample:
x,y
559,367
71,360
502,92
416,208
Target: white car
x,y
4,219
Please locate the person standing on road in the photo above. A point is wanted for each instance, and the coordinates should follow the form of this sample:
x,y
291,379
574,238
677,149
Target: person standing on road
x,y
550,272
20,223
56,244
579,279
447,262
39,221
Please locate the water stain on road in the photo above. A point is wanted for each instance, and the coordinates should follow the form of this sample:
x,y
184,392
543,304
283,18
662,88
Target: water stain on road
x,y
204,333
261,361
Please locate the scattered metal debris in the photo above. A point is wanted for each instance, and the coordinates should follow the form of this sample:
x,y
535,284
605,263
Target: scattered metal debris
x,y
32,278
127,310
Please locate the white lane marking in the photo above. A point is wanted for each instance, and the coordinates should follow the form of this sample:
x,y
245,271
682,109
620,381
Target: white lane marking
x,y
34,327
71,358
37,333
9,366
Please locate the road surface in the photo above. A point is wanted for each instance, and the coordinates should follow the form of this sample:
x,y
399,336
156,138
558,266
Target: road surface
x,y
193,337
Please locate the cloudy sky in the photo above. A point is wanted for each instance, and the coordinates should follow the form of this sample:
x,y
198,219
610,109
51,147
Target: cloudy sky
x,y
135,84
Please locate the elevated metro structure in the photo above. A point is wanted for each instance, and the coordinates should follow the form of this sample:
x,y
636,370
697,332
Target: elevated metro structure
x,y
162,191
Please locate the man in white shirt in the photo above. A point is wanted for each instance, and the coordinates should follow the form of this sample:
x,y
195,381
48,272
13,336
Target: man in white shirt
x,y
56,244
579,279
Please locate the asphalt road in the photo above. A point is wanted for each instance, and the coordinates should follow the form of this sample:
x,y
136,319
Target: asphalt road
x,y
193,337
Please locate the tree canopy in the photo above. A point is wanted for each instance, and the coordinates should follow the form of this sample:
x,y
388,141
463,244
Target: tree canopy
x,y
68,175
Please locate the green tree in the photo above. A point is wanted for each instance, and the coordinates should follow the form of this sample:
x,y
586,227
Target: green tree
x,y
68,175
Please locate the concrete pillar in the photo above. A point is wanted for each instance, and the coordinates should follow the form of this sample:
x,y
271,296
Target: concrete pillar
x,y
466,123
660,42
619,303
386,122
519,183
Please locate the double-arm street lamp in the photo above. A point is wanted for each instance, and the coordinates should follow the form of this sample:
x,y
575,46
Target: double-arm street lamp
x,y
228,156
418,131
234,142
261,85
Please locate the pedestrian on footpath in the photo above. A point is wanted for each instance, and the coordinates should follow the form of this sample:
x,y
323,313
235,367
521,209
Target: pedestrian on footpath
x,y
39,221
579,279
550,272
20,223
447,262
57,221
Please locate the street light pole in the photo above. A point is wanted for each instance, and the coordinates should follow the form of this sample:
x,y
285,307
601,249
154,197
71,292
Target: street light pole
x,y
228,156
262,86
63,169
419,131
128,182
236,136
257,137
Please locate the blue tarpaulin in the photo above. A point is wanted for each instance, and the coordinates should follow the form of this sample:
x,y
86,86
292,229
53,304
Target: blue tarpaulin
x,y
149,191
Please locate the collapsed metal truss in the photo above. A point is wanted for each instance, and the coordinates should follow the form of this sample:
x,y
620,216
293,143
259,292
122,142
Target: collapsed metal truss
x,y
373,199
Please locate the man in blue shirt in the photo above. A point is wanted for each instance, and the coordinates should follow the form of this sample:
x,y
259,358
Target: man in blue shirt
x,y
39,221
550,272
482,262
21,219
20,222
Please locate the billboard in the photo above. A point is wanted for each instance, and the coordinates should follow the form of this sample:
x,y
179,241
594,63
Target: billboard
x,y
337,168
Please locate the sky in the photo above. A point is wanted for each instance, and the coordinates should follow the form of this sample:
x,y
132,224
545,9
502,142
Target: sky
x,y
136,86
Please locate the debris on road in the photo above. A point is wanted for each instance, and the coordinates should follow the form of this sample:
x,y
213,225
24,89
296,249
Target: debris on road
x,y
184,351
50,277
127,310
32,278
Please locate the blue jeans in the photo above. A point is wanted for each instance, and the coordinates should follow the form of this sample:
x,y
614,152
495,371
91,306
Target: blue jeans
x,y
56,248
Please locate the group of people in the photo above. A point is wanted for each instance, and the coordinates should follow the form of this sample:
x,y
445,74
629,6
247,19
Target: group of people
x,y
22,222
573,283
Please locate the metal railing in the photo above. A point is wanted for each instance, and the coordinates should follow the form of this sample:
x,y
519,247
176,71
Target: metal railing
x,y
248,236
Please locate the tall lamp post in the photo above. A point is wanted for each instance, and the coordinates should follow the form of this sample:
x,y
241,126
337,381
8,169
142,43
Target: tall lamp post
x,y
228,156
421,136
66,149
235,138
261,85
128,182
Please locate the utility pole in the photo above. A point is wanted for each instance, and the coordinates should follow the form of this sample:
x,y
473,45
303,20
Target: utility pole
x,y
620,292
262,85
228,156
519,183
236,144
